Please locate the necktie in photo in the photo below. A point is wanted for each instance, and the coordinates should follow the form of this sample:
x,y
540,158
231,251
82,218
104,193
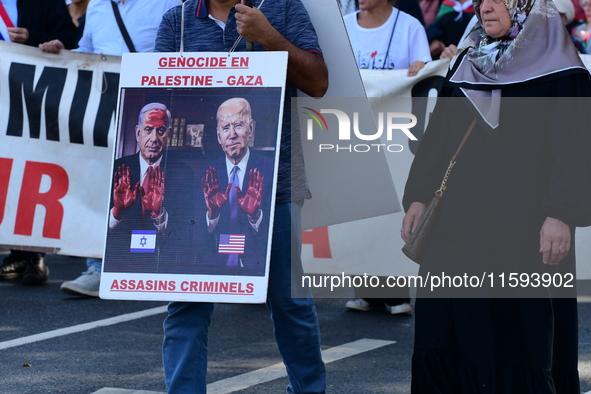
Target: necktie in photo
x,y
233,198
233,258
146,185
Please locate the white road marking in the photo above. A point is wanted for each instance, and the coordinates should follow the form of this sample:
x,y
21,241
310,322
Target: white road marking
x,y
81,327
110,390
263,375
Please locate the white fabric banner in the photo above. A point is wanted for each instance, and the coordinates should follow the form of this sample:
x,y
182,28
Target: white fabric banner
x,y
56,144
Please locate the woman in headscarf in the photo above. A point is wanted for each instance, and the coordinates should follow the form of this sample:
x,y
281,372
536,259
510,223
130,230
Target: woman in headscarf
x,y
519,187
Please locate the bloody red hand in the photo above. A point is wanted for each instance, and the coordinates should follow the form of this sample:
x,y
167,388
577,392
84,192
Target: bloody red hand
x,y
123,194
153,198
214,198
250,203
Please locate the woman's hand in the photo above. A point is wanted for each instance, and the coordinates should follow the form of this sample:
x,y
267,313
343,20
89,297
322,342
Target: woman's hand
x,y
436,47
449,52
415,67
53,46
19,35
411,219
554,241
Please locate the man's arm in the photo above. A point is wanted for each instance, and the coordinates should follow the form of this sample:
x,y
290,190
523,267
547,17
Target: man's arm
x,y
306,70
165,38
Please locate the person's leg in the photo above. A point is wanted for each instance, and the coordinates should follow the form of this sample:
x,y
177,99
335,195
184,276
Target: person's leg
x,y
435,361
400,301
395,299
565,346
96,263
87,284
184,350
295,324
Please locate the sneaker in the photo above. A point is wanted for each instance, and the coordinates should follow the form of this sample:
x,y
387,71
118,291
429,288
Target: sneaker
x,y
398,309
86,284
359,304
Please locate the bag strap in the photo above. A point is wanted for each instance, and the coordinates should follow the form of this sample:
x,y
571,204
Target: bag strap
x,y
122,27
390,42
464,140
439,192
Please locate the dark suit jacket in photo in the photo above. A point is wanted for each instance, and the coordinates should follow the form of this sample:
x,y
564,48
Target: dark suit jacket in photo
x,y
172,247
206,244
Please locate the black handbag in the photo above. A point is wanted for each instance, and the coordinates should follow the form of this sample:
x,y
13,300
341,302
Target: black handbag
x,y
416,244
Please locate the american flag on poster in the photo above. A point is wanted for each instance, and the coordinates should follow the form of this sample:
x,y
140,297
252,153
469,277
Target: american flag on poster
x,y
232,243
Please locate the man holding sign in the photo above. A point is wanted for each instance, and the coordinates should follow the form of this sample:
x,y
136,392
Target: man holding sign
x,y
279,25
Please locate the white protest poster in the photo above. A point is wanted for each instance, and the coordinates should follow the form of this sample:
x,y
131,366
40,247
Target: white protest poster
x,y
325,168
194,177
57,127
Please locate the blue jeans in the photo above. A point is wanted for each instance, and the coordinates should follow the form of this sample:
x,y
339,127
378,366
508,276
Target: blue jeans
x,y
98,263
184,351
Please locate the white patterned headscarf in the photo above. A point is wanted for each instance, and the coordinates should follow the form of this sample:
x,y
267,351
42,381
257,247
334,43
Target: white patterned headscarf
x,y
537,45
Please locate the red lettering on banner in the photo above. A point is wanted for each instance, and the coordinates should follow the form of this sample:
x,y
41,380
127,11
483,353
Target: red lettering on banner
x,y
318,238
114,285
30,198
240,62
247,80
5,168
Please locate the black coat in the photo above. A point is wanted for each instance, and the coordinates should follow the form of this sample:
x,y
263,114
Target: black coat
x,y
505,183
47,20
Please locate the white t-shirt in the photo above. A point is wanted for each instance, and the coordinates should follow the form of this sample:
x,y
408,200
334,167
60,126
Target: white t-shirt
x,y
141,18
370,46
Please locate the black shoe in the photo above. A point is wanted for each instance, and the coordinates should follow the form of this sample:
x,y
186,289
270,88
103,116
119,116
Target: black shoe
x,y
13,267
36,272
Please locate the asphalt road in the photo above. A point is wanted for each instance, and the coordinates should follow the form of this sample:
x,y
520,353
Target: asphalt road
x,y
126,355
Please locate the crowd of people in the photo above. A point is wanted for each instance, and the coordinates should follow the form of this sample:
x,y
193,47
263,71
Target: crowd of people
x,y
461,345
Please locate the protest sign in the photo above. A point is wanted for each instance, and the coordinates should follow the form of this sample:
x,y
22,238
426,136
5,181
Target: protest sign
x,y
191,214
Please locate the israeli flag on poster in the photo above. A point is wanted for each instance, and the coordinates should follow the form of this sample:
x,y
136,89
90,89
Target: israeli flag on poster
x,y
143,241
